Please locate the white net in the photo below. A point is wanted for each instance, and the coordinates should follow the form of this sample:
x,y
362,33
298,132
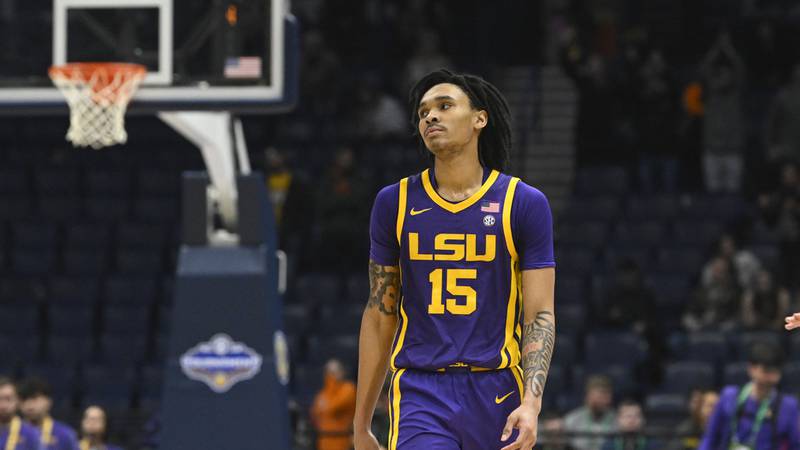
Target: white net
x,y
98,96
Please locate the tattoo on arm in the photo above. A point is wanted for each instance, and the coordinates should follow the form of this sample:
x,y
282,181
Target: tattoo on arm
x,y
384,288
538,339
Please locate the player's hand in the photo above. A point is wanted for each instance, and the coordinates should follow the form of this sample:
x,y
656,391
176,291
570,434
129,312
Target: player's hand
x,y
525,419
366,441
793,321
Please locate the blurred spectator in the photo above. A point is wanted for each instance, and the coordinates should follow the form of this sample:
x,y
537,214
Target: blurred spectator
x,y
630,425
656,106
320,70
716,304
427,56
342,214
594,123
292,203
765,305
781,210
755,416
628,302
552,433
377,113
35,408
333,409
691,430
783,127
723,129
744,263
595,416
94,428
14,433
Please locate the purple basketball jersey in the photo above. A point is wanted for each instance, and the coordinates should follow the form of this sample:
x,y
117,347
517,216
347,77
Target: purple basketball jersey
x,y
461,268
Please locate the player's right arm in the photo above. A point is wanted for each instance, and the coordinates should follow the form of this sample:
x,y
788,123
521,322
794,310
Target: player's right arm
x,y
378,325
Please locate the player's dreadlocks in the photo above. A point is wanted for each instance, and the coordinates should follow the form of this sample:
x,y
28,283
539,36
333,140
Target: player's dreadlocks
x,y
494,143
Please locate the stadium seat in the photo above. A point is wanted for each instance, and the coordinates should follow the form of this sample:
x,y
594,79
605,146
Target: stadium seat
x,y
665,410
13,181
684,261
623,378
87,235
344,348
790,381
160,183
712,347
590,235
599,208
58,181
768,254
565,350
16,349
575,260
726,207
339,319
14,207
69,350
33,261
83,262
143,236
621,251
108,183
15,289
570,289
681,377
70,321
76,291
107,209
156,209
125,320
314,287
121,290
661,207
646,233
672,291
139,261
601,181
557,380
612,348
60,207
19,319
697,232
735,373
296,319
571,318
33,235
358,288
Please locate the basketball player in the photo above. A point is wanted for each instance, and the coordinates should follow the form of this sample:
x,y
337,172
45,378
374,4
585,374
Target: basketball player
x,y
35,407
462,280
14,433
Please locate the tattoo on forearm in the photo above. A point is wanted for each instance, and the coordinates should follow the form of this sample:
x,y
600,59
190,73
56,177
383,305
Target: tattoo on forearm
x,y
538,339
384,287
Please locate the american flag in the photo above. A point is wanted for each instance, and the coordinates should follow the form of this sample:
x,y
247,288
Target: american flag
x,y
490,207
243,67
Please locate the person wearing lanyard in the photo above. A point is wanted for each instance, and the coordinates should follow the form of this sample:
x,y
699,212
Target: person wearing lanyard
x,y
35,408
755,416
14,433
93,430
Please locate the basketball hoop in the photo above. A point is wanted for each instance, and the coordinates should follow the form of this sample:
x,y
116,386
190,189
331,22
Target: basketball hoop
x,y
98,95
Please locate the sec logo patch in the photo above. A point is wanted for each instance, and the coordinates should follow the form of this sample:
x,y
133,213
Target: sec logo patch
x,y
488,220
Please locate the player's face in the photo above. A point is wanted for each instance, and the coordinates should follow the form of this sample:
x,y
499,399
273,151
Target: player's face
x,y
447,120
35,409
94,421
8,402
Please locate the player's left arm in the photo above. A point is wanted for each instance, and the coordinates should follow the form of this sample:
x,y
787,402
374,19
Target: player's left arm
x,y
538,340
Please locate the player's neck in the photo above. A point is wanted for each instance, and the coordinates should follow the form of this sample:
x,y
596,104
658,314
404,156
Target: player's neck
x,y
458,176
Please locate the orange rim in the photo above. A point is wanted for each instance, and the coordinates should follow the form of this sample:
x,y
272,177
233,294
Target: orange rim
x,y
107,71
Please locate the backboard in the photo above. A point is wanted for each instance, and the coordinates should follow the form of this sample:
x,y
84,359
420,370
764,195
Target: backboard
x,y
236,55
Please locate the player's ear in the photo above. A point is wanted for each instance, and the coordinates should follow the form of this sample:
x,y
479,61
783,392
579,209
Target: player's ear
x,y
481,119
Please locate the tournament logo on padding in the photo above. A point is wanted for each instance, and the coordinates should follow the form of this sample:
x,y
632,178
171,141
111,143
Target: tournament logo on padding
x,y
221,363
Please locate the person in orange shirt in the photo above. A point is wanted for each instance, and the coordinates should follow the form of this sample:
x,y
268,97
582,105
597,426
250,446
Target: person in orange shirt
x,y
333,409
